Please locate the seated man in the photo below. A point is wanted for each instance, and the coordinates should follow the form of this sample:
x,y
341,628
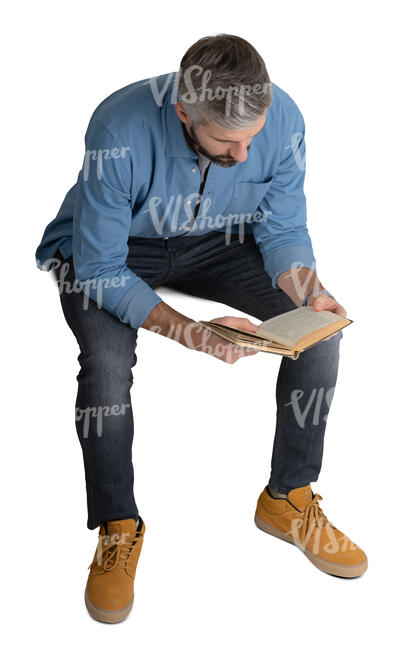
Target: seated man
x,y
192,180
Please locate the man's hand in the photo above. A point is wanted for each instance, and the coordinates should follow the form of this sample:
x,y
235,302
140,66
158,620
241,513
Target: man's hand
x,y
232,352
300,282
168,322
322,301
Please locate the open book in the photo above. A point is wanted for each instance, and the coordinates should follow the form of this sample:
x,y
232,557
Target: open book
x,y
287,334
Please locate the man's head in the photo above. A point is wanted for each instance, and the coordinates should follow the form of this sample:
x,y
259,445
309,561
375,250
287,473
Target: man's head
x,y
224,92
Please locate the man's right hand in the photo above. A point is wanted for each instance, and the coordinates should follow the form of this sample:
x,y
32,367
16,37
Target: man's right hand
x,y
223,349
166,321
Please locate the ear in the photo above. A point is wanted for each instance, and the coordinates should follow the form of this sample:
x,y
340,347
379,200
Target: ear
x,y
181,114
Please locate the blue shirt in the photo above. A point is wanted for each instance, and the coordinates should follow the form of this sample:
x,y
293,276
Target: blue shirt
x,y
140,178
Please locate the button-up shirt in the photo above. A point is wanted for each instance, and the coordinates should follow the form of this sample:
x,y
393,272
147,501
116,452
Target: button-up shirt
x,y
141,178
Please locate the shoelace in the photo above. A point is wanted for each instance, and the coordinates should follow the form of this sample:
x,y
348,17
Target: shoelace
x,y
118,553
313,515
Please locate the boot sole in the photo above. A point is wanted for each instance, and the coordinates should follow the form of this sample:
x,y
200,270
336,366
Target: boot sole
x,y
340,570
107,615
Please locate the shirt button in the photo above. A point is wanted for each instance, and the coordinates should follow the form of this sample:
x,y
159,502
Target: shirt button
x,y
188,202
194,169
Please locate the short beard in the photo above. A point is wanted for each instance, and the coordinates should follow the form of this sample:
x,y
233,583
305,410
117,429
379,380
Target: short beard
x,y
192,140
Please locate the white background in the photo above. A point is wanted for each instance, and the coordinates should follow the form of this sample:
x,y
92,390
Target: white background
x,y
207,577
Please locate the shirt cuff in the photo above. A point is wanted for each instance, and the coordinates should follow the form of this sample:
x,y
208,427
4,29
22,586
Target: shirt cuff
x,y
136,305
286,258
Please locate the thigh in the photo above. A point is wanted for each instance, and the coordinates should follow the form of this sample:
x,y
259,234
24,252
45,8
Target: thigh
x,y
232,273
97,331
149,258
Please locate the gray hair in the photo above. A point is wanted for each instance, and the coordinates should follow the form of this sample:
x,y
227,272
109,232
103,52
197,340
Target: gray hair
x,y
223,80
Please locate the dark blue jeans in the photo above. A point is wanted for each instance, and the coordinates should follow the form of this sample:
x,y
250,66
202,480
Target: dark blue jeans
x,y
209,267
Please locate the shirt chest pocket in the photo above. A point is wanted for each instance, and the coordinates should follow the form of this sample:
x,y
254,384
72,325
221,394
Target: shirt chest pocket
x,y
245,199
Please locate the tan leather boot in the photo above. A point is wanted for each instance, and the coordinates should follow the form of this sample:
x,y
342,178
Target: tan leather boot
x,y
298,519
109,593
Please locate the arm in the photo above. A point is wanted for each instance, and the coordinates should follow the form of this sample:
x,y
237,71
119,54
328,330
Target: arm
x,y
298,283
170,323
303,281
101,226
283,237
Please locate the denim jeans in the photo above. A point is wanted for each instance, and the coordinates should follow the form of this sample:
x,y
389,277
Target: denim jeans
x,y
206,266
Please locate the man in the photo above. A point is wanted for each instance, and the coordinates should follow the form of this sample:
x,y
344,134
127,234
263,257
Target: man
x,y
192,180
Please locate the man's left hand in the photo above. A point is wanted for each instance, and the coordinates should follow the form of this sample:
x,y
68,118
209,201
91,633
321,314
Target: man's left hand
x,y
322,301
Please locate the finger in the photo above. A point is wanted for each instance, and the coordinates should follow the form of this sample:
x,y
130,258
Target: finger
x,y
340,311
324,302
236,321
329,304
243,323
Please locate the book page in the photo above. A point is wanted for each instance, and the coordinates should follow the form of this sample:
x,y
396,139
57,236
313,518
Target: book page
x,y
288,328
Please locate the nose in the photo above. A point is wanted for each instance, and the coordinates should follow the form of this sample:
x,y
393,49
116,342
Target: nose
x,y
239,152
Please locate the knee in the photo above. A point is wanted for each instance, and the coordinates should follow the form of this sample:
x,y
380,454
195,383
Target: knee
x,y
108,373
330,348
336,338
328,351
323,355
